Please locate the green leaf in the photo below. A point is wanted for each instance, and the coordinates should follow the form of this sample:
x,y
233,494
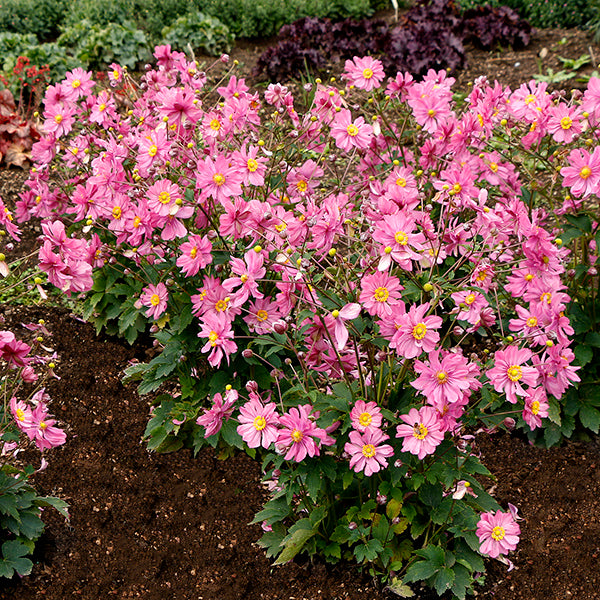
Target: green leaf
x,y
420,571
8,505
590,418
400,589
583,354
582,222
554,410
295,541
462,582
60,505
313,483
368,552
443,580
274,510
593,339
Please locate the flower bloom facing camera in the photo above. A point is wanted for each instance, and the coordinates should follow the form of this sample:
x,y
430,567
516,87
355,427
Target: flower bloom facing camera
x,y
498,533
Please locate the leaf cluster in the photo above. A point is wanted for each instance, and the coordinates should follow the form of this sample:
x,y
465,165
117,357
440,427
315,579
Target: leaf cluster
x,y
431,35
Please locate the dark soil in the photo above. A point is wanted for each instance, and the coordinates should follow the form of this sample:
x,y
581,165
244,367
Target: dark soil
x,y
175,526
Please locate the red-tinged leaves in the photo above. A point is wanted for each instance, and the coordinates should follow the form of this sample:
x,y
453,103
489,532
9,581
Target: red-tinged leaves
x,y
430,36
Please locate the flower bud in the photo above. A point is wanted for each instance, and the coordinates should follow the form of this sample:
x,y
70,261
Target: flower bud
x,y
247,353
280,326
251,386
509,423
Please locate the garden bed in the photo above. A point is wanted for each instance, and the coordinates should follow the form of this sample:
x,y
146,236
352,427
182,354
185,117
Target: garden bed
x,y
175,526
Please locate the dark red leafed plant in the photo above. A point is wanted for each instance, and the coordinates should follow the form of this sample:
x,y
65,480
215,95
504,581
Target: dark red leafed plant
x,y
430,36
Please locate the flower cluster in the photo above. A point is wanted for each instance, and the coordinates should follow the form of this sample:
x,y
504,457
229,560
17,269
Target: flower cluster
x,y
379,269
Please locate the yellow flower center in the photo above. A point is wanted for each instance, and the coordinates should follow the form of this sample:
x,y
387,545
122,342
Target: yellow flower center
x,y
494,167
302,186
352,130
137,222
419,331
431,112
218,179
194,252
20,414
365,419
213,336
498,533
164,197
116,212
529,99
381,294
76,83
470,299
457,188
281,226
367,73
585,172
102,107
221,305
514,373
262,315
58,119
116,74
155,299
244,278
43,425
215,125
252,165
259,423
401,182
420,431
297,436
532,322
401,238
546,297
153,150
442,377
368,450
566,122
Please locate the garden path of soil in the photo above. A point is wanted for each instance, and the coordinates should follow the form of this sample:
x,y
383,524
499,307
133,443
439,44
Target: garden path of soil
x,y
162,527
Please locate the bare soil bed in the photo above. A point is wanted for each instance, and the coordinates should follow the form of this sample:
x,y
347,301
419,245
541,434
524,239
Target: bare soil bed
x,y
175,526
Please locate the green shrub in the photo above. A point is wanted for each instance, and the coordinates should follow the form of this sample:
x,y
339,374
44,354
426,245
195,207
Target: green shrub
x,y
546,13
264,18
39,17
199,31
97,46
13,45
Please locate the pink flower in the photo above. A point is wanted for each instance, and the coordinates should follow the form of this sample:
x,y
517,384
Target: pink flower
x,y
498,533
217,328
469,305
21,413
364,73
218,179
536,407
350,134
163,196
195,255
444,380
298,433
416,332
422,433
365,416
258,423
155,298
366,453
379,293
346,313
212,419
583,173
247,274
509,373
42,430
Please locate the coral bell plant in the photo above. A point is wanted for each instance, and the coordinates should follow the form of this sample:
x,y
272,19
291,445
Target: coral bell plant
x,y
351,291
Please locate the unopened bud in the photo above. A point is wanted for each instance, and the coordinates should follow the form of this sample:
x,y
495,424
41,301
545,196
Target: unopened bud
x,y
247,353
280,326
509,423
251,386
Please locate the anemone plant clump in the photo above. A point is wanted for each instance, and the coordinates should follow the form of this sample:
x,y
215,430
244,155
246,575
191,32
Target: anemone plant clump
x,y
350,293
